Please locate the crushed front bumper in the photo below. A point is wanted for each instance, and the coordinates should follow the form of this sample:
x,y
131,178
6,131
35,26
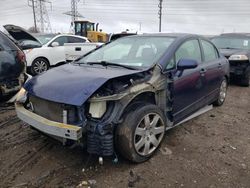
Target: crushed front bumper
x,y
49,127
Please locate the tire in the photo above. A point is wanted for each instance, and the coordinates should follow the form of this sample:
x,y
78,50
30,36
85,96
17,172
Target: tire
x,y
39,65
222,94
245,80
137,141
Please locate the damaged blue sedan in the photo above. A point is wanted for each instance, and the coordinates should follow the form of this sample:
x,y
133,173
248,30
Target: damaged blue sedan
x,y
123,96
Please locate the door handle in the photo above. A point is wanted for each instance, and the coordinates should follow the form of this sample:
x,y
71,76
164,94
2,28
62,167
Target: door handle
x,y
78,49
219,66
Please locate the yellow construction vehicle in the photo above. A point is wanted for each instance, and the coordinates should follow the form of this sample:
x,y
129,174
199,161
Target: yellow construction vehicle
x,y
90,30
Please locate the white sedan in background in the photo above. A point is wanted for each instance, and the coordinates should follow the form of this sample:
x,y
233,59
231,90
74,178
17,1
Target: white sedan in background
x,y
47,50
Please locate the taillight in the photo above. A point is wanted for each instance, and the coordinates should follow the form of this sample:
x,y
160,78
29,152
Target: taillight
x,y
21,56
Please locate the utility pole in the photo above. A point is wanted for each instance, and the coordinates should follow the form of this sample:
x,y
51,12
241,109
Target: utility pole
x,y
140,26
160,14
43,17
40,15
34,12
73,12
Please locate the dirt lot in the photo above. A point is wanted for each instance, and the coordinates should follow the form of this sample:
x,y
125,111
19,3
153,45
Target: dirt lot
x,y
212,150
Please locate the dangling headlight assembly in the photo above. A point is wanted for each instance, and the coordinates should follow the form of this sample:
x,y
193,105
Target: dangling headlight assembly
x,y
21,96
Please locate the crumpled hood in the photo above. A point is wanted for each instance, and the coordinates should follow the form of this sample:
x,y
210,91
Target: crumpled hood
x,y
228,52
73,84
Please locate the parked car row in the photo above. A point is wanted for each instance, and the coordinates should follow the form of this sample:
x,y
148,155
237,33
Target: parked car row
x,y
45,51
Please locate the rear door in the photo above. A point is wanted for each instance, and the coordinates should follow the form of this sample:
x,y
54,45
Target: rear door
x,y
74,48
189,87
213,68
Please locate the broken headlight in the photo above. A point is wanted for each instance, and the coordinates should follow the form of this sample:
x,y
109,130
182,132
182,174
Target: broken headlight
x,y
97,109
21,96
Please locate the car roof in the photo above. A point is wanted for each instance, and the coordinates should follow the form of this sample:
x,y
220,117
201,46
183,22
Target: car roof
x,y
174,35
235,35
70,35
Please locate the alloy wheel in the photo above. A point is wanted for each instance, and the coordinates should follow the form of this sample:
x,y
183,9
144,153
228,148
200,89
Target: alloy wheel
x,y
148,134
223,91
40,66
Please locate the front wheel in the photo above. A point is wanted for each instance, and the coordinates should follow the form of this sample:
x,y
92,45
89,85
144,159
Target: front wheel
x,y
39,66
141,133
222,94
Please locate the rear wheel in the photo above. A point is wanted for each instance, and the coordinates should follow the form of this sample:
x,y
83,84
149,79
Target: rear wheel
x,y
222,94
39,66
141,133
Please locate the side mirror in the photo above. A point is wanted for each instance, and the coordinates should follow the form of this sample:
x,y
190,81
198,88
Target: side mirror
x,y
54,44
184,64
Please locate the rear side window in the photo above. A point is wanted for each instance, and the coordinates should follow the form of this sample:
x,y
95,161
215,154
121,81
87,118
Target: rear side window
x,y
210,53
189,50
76,40
6,43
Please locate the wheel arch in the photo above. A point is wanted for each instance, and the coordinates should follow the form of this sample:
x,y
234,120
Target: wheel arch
x,y
148,97
42,58
227,78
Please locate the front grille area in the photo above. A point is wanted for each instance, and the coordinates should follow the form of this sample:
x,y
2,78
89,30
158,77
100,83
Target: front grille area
x,y
242,64
53,111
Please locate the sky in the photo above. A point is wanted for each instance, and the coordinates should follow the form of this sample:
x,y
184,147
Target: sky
x,y
207,17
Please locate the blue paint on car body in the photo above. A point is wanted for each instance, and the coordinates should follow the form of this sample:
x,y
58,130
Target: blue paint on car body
x,y
73,84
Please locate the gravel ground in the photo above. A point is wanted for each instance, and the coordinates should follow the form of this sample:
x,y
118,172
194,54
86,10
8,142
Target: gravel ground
x,y
212,150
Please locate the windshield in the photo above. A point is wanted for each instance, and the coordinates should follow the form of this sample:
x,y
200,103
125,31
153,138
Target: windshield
x,y
230,42
131,51
45,38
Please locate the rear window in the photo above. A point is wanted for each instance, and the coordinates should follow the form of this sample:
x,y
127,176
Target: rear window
x,y
224,42
76,40
6,43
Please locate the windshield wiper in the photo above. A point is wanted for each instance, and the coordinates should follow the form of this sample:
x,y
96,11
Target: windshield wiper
x,y
106,63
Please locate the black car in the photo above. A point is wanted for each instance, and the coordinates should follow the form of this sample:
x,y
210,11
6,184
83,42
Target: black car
x,y
236,48
12,66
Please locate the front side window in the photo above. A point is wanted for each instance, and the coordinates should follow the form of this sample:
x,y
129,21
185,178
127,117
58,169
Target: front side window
x,y
210,53
61,40
189,50
131,51
45,38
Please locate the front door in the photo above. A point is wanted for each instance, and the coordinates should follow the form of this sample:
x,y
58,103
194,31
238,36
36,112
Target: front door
x,y
189,87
